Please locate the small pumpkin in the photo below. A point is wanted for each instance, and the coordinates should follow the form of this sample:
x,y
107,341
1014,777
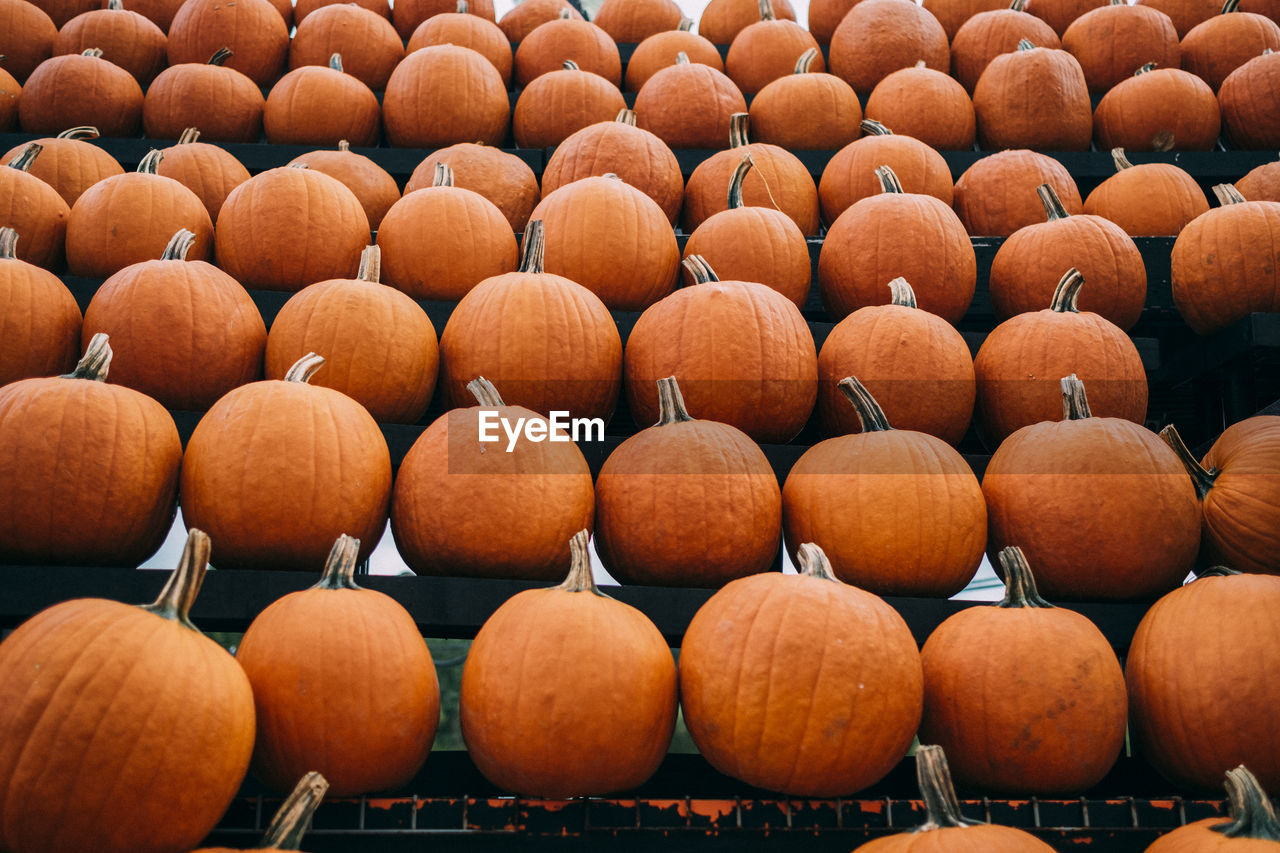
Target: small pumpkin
x,y
40,321
34,209
565,38
560,103
988,34
127,39
209,171
318,105
1147,200
997,194
768,50
1133,35
1033,98
444,94
663,49
81,89
68,163
877,37
179,97
1165,109
925,104
1252,825
806,110
1213,49
253,30
850,175
466,30
500,176
689,105
369,45
1246,97
372,185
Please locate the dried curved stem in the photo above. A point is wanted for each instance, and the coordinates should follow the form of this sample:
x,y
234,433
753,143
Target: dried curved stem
x,y
580,579
335,62
570,65
96,361
1075,405
671,408
685,25
1200,476
869,412
736,180
220,56
682,58
150,164
1252,815
871,127
1054,209
1019,583
370,269
443,176
1145,69
700,270
889,182
627,117
534,248
1228,194
813,562
178,246
340,567
8,244
1067,293
84,131
92,53
484,392
901,293
938,791
293,818
1025,44
183,586
766,11
739,127
188,136
23,159
1121,161
304,368
805,62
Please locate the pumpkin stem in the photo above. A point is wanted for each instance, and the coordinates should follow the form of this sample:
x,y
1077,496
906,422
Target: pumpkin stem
x,y
1066,294
814,563
700,270
1121,161
344,145
1252,815
340,567
933,775
484,392
92,53
1075,405
805,62
682,58
685,25
735,181
188,136
900,293
8,244
370,265
183,586
23,159
179,245
443,176
1053,206
84,131
1145,69
531,258
1228,194
889,182
627,117
671,408
220,56
150,164
1217,572
1018,5
115,5
1230,6
739,124
570,65
304,368
766,11
580,579
565,14
1200,476
1025,44
463,7
869,412
96,361
1019,583
293,819
871,127
335,62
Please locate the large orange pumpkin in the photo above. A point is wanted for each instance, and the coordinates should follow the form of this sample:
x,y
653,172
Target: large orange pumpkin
x,y
34,209
442,95
39,318
689,105
988,34
877,37
127,39
180,95
850,175
1252,828
560,103
369,45
1111,42
997,194
633,21
408,15
527,15
372,185
253,30
1221,44
800,684
566,38
81,89
466,30
926,104
82,767
500,176
1165,109
953,14
1261,183
1036,98
319,105
1246,97
209,171
723,19
1185,14
663,49
1147,200
768,50
1060,13
807,109
596,682
68,163
26,37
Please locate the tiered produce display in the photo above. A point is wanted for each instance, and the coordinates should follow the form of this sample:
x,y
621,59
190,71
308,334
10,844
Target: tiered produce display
x,y
918,283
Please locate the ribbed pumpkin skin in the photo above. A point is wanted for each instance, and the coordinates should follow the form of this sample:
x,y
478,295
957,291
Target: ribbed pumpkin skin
x,y
767,51
375,189
806,112
723,19
1262,183
104,494
551,44
967,839
498,175
544,341
39,322
661,51
28,37
67,91
778,180
370,46
1060,13
988,34
897,234
1212,638
410,14
742,353
1033,99
1185,14
689,106
35,210
633,22
467,30
878,37
755,244
1200,837
526,16
130,218
209,171
1223,43
997,195
469,509
613,240
126,38
952,14
1112,42
1226,264
275,471
636,156
850,175
1241,511
179,96
1097,505
560,103
1142,113
253,29
1246,98
927,105
259,244
321,106
70,166
81,768
442,95
825,16
183,332
1148,200
800,685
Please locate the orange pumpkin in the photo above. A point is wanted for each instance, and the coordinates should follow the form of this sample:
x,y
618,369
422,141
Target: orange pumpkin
x,y
953,14
877,37
68,163
604,712
317,105
632,22
370,46
527,15
688,105
988,34
850,175
26,37
926,104
997,194
768,50
1034,98
1060,13
80,773
81,89
559,103
180,95
825,16
1223,43
1163,109
1147,200
847,495
10,92
1185,14
551,44
1253,825
127,39
376,190
253,30
303,9
442,95
34,209
358,700
466,30
807,109
722,20
209,171
408,15
1262,183
1246,98
500,176
800,684
40,325
663,49
291,820
1112,41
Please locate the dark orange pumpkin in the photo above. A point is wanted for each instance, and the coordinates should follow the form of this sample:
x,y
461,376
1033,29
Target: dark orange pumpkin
x,y
722,20
180,96
925,104
81,89
26,37
997,195
39,318
209,171
318,105
849,495
253,30
1223,43
850,175
445,94
551,44
633,21
1164,109
1247,98
1253,825
68,163
663,49
768,50
34,209
988,34
1112,42
500,176
806,110
370,46
466,30
560,103
689,105
1033,98
878,37
1147,200
800,684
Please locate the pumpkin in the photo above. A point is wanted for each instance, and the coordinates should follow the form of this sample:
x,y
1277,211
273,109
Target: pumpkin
x,y
528,15
81,89
780,181
825,16
185,332
800,684
82,772
291,820
68,163
997,194
466,30
549,342
1185,14
878,37
10,92
742,352
253,30
1099,505
1253,824
444,94
1210,639
1223,43
850,175
688,105
604,712
631,22
1147,200
259,242
1033,98
1262,183
559,103
278,468
806,110
754,243
722,20
370,46
953,14
995,679
158,12
127,39
612,239
209,171
847,494
381,344
1059,14
988,34
500,176
358,700
1133,35
26,37
466,507
915,363
1239,487
945,828
411,14
180,95
33,209
376,190
317,105
565,38
1247,97
705,486
619,147
62,11
1028,265
1226,262
663,49
896,234
926,104
40,329
1158,110
768,50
